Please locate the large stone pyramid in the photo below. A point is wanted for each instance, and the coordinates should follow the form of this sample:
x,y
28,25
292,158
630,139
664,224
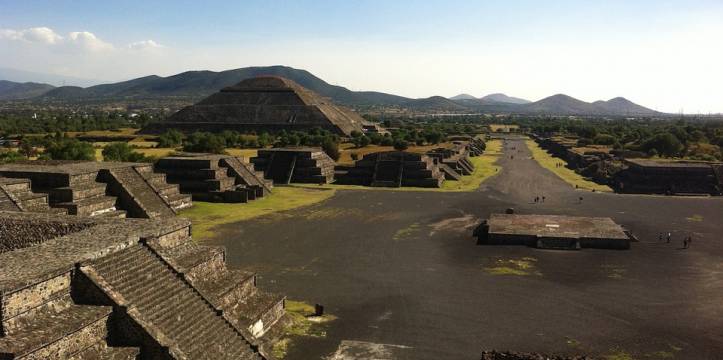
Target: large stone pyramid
x,y
266,103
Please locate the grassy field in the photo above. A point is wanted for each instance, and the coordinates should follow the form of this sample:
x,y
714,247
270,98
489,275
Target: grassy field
x,y
484,168
548,162
246,153
206,215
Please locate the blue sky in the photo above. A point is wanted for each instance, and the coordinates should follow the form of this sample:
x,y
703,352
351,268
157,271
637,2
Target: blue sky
x,y
663,54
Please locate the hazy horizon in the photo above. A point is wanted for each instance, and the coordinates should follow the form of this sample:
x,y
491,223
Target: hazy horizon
x,y
662,56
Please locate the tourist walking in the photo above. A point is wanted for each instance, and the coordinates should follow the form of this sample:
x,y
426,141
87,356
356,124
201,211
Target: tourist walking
x,y
660,237
685,243
668,237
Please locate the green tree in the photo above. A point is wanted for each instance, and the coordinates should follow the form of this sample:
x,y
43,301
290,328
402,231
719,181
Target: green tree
x,y
331,148
70,149
170,139
664,144
400,145
204,142
120,151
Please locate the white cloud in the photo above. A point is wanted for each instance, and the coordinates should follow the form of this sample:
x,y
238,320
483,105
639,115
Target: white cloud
x,y
42,35
144,44
88,41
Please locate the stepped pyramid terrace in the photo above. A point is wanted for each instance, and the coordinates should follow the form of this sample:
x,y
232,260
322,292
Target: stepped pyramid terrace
x,y
89,188
209,177
101,288
295,165
265,103
394,169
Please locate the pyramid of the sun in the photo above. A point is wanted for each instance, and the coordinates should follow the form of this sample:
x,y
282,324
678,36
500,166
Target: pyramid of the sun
x,y
265,103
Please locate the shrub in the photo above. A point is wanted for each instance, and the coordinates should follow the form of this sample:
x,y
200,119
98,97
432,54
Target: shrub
x,y
120,151
204,142
70,149
400,145
171,138
331,148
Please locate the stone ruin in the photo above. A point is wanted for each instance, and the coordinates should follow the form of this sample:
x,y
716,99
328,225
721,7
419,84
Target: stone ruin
x,y
646,176
104,288
265,103
209,177
454,161
553,232
88,188
295,165
394,169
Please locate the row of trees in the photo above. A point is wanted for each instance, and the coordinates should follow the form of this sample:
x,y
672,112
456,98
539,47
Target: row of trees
x,y
27,122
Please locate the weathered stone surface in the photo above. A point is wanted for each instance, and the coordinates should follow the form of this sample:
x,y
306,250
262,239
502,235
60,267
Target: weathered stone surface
x,y
295,164
394,169
264,103
135,283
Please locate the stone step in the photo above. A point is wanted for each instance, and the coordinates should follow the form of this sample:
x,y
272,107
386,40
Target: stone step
x,y
58,331
102,351
166,189
256,313
89,206
32,201
229,287
76,192
169,304
196,261
117,214
15,184
179,201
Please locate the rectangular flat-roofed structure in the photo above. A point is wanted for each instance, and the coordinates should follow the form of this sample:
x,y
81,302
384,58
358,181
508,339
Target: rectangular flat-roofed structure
x,y
553,231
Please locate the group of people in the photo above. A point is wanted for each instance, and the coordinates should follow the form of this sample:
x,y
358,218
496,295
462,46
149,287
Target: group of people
x,y
539,199
559,165
686,241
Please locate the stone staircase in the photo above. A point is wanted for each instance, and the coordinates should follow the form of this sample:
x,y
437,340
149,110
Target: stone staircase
x,y
167,306
232,291
135,194
170,193
17,195
210,177
297,165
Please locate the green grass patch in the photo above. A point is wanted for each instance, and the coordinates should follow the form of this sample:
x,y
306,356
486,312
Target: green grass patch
x,y
619,355
402,233
548,162
695,218
206,216
518,267
302,324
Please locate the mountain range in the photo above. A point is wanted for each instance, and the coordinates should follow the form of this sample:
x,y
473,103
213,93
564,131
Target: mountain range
x,y
192,86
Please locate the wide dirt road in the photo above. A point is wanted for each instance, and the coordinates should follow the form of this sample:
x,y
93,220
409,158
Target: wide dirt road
x,y
403,268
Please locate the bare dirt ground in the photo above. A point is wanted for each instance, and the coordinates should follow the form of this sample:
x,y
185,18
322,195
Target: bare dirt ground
x,y
402,268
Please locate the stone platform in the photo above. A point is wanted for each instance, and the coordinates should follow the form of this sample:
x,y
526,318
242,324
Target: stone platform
x,y
209,177
89,188
670,177
295,164
90,288
552,231
394,169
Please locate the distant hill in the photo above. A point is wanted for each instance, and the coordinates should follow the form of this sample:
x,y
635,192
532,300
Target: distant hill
x,y
502,98
620,105
10,90
16,75
463,97
436,103
199,84
561,104
192,86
